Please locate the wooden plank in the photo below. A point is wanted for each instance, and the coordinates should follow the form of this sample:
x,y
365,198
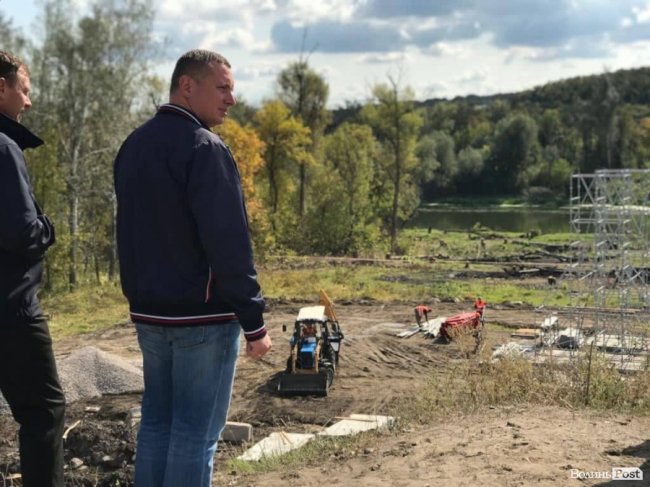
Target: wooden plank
x,y
526,333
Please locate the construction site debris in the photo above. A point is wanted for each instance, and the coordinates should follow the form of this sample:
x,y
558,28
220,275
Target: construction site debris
x,y
358,423
275,444
511,349
526,333
278,443
570,338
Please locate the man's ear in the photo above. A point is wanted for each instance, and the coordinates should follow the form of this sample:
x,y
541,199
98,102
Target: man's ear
x,y
3,86
185,85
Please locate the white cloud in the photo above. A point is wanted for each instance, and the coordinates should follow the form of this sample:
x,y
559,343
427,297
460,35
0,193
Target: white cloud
x,y
199,11
264,6
456,50
515,54
385,57
473,77
437,89
446,47
232,38
642,15
253,72
304,12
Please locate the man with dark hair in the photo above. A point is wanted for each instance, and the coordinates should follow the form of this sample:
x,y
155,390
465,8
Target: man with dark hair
x,y
187,269
28,376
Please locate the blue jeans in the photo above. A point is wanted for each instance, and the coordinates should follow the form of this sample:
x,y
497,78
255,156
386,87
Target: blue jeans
x,y
188,377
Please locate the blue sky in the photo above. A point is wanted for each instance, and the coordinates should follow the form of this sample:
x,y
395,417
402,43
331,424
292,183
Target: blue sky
x,y
440,48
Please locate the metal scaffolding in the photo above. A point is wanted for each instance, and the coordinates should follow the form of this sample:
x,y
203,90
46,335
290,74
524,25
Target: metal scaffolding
x,y
607,277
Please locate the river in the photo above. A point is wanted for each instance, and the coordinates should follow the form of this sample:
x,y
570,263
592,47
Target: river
x,y
504,219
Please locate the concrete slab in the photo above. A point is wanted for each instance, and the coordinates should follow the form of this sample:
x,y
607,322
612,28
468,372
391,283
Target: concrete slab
x,y
432,327
275,444
548,323
358,423
622,362
409,333
618,343
237,432
511,349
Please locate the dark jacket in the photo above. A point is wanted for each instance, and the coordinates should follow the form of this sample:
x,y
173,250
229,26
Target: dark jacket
x,y
25,232
184,247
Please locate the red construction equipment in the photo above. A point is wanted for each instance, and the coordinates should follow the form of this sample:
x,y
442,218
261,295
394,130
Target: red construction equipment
x,y
463,323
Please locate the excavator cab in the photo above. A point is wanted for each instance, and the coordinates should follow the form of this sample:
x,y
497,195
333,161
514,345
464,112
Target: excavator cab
x,y
315,345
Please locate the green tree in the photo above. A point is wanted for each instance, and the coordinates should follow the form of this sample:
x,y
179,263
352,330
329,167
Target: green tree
x,y
515,153
243,112
305,92
286,141
437,156
631,149
90,77
469,177
343,215
396,125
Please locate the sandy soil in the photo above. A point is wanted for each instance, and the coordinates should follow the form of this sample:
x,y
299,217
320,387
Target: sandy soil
x,y
505,446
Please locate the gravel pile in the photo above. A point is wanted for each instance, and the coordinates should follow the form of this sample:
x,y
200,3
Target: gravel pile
x,y
91,372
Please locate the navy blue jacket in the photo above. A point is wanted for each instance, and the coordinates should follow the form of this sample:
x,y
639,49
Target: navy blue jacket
x,y
182,231
25,232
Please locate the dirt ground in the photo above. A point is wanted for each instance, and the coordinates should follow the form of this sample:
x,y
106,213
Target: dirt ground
x,y
498,447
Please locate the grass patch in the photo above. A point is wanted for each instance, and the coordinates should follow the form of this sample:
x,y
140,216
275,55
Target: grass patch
x,y
413,282
480,243
314,452
86,309
471,385
92,308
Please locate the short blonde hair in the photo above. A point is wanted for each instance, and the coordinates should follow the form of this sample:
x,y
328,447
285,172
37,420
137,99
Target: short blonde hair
x,y
195,64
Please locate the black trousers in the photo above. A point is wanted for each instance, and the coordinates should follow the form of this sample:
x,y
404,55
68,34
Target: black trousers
x,y
30,384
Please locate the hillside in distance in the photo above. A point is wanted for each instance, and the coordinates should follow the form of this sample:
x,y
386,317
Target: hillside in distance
x,y
632,86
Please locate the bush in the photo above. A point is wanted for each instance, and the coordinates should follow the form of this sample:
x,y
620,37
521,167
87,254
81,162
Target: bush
x,y
538,195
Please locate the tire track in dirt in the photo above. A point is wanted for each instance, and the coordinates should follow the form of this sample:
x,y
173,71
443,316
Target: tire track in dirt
x,y
376,369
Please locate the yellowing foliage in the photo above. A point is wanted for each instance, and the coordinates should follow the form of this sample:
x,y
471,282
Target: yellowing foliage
x,y
247,148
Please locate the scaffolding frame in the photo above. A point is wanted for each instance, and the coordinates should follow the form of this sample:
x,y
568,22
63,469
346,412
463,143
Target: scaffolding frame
x,y
607,275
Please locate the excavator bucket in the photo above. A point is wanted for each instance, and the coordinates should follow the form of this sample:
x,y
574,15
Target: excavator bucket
x,y
305,383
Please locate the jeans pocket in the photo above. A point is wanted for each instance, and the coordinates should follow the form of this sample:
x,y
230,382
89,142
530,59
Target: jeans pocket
x,y
189,337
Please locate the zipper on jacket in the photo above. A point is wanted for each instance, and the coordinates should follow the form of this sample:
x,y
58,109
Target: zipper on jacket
x,y
208,286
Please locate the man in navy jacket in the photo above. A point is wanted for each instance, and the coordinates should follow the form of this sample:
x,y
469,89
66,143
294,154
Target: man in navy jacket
x,y
187,269
28,376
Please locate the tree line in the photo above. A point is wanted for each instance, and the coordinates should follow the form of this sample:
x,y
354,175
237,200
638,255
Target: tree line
x,y
316,181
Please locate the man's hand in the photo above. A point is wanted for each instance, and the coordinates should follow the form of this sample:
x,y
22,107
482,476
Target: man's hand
x,y
258,348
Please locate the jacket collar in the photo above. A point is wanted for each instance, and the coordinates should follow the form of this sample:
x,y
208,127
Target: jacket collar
x,y
181,111
20,134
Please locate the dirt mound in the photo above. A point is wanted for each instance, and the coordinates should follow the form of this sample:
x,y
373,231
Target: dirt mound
x,y
90,372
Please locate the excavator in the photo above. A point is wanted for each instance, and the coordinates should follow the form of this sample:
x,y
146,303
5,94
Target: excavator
x,y
314,357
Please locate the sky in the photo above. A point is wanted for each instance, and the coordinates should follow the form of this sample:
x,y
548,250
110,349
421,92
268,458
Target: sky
x,y
439,48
